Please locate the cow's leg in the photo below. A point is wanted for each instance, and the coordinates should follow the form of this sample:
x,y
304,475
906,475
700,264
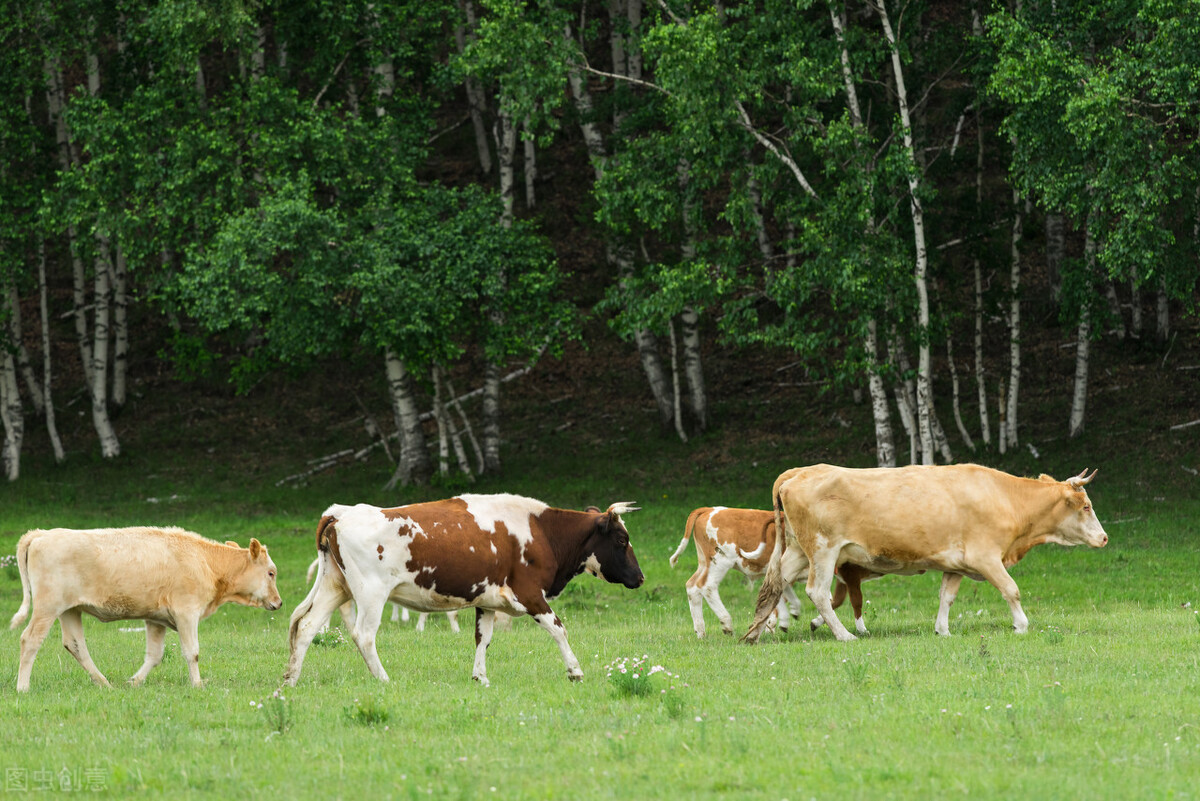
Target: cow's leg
x,y
485,620
370,614
550,622
793,602
31,640
711,592
839,596
998,577
348,614
397,615
695,596
189,646
820,575
946,596
452,616
310,616
71,622
853,576
156,635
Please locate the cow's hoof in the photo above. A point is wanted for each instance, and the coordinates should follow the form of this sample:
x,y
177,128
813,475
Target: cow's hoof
x,y
575,676
847,637
482,680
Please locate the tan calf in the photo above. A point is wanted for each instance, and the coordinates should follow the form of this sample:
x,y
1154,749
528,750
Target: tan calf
x,y
168,577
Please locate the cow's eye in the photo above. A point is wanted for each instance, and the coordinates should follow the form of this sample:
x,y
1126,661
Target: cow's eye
x,y
1087,508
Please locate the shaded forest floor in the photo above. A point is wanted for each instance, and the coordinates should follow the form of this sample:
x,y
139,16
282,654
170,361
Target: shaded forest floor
x,y
590,414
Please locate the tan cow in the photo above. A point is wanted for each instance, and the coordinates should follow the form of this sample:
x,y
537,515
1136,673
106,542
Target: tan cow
x,y
168,577
965,520
743,540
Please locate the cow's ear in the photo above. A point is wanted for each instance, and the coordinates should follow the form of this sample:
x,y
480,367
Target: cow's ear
x,y
256,548
604,522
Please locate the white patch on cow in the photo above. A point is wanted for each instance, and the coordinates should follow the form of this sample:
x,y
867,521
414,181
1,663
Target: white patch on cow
x,y
512,510
756,553
493,547
471,548
592,566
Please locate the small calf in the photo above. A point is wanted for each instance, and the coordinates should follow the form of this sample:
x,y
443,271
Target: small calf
x,y
168,577
743,540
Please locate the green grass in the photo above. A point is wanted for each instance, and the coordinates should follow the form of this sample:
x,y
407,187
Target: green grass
x,y
1100,699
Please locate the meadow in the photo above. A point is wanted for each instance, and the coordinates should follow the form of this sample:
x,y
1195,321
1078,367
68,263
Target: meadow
x,y
1100,699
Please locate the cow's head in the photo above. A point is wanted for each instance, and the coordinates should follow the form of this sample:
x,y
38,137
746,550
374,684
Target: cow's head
x,y
609,554
1079,524
258,582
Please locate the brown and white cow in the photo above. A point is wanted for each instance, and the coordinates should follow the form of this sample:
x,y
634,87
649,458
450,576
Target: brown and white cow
x,y
965,520
743,540
400,614
497,553
168,577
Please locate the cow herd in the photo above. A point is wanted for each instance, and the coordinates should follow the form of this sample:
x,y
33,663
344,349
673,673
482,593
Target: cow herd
x,y
513,555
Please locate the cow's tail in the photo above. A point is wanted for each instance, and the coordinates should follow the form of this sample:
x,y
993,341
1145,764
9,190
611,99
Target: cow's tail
x,y
772,586
326,547
22,613
687,534
312,570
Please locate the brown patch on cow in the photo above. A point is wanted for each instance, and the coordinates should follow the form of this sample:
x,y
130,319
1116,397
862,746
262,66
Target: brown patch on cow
x,y
327,539
380,550
121,605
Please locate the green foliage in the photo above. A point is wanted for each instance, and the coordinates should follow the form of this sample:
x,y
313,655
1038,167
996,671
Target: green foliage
x,y
1102,110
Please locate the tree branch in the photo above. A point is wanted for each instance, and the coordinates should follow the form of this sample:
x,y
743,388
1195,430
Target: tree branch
x,y
779,154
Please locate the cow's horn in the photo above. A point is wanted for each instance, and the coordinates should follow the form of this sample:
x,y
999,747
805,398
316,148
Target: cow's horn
x,y
621,507
1083,478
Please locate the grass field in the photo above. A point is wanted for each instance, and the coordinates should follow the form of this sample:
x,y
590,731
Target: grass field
x,y
1101,699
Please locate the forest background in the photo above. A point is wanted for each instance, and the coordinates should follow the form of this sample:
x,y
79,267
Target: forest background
x,y
931,211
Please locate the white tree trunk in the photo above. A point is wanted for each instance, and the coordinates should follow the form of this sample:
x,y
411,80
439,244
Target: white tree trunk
x,y
1162,312
21,353
120,365
985,432
677,411
885,447
476,98
1135,305
958,420
616,255
413,466
924,365
908,421
11,416
530,164
110,447
1083,344
1114,308
689,318
1002,410
466,429
1056,250
506,149
439,417
985,429
1014,319
43,293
